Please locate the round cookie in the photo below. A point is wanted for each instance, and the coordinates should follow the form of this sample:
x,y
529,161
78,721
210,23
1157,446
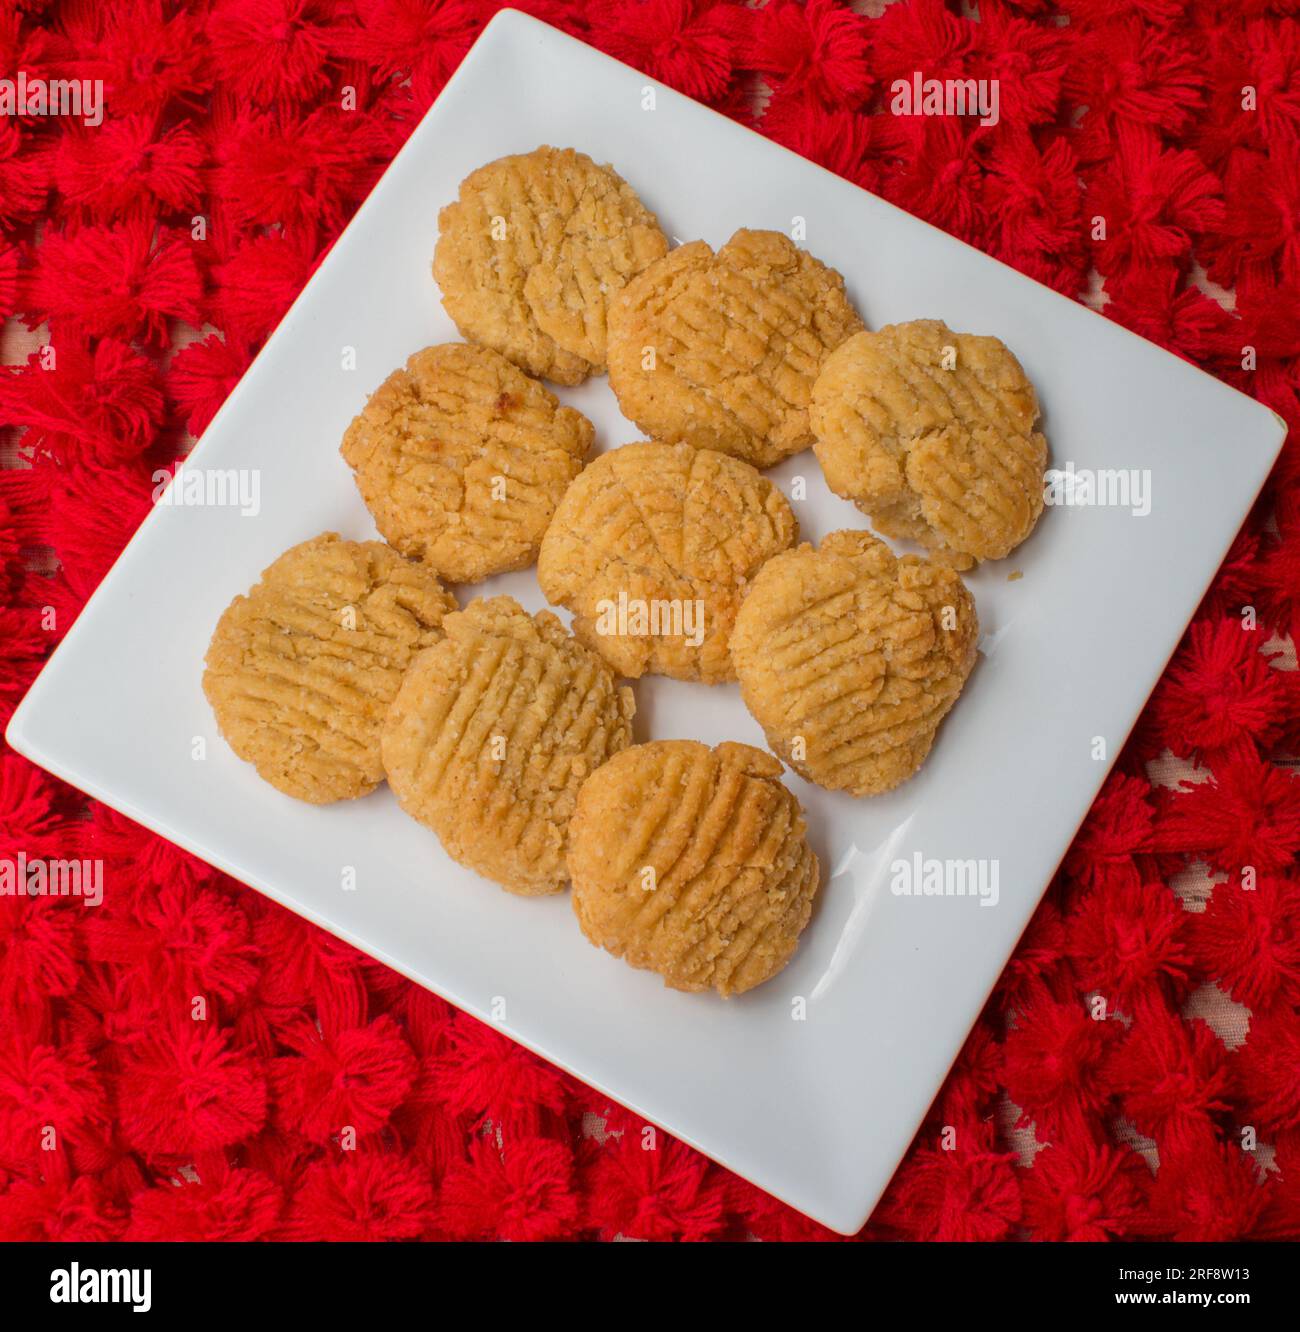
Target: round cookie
x,y
693,862
532,252
493,731
652,548
461,460
301,670
849,658
931,433
720,351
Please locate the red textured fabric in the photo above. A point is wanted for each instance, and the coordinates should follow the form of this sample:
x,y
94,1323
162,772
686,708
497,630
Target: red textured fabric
x,y
227,1127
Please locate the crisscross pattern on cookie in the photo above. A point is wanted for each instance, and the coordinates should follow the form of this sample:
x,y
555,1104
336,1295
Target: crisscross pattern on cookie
x,y
492,733
721,350
301,670
931,433
850,658
693,863
532,252
462,458
668,526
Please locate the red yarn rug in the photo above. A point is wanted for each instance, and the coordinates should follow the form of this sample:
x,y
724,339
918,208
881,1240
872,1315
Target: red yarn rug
x,y
1175,121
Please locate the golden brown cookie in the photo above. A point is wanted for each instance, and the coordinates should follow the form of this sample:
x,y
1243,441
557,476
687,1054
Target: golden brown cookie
x,y
652,548
931,433
532,252
301,671
849,658
720,351
461,459
492,733
692,862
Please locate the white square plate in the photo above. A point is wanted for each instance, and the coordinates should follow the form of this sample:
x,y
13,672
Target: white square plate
x,y
816,1111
